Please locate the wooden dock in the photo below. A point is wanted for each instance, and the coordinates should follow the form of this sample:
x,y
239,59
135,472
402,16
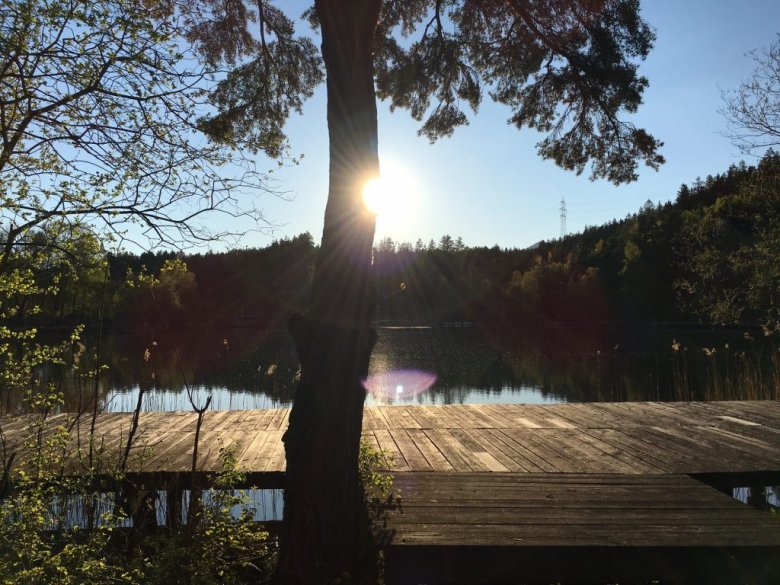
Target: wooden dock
x,y
691,438
549,492
572,528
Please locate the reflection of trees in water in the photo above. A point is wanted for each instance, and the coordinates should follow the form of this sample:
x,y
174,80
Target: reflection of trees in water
x,y
234,361
461,358
260,368
658,365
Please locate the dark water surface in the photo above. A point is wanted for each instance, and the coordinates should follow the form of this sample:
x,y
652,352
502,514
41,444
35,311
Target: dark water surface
x,y
245,368
422,365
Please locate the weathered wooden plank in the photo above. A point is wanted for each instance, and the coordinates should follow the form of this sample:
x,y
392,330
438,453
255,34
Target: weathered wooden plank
x,y
441,415
280,419
495,414
259,453
631,438
456,418
164,454
622,460
409,422
765,412
575,450
722,455
496,449
111,441
379,418
619,416
468,418
542,457
233,420
276,459
574,535
456,454
548,418
586,417
156,432
368,420
481,419
763,448
242,440
542,416
389,413
210,459
636,449
739,419
583,513
421,415
178,458
208,442
411,454
478,452
477,509
521,419
644,413
213,420
246,461
434,457
388,444
528,460
259,420
110,426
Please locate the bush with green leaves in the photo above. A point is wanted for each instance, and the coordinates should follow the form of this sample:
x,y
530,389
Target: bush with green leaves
x,y
223,545
60,528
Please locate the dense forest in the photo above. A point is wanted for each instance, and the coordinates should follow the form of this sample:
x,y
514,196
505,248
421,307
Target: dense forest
x,y
708,257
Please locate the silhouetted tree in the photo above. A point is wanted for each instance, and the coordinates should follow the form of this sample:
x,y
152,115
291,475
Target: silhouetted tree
x,y
564,67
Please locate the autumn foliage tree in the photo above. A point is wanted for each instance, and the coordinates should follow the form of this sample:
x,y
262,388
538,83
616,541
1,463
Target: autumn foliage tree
x,y
566,68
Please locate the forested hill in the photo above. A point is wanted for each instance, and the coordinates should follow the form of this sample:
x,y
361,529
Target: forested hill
x,y
711,256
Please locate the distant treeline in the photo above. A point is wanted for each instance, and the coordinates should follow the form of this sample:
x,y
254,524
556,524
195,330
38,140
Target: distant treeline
x,y
709,256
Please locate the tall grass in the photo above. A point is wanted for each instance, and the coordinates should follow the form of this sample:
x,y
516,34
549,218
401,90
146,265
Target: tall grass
x,y
752,373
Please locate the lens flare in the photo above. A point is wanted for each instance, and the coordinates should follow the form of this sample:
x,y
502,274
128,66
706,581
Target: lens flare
x,y
398,384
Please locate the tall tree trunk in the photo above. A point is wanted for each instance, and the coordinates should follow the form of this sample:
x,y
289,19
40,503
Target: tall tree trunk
x,y
326,525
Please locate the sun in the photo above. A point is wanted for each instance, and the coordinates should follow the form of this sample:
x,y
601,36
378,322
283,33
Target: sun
x,y
376,196
392,196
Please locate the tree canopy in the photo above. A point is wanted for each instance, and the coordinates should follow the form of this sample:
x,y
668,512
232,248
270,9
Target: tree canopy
x,y
566,68
96,107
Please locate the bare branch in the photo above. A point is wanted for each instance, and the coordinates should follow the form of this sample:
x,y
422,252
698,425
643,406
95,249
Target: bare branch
x,y
98,111
752,111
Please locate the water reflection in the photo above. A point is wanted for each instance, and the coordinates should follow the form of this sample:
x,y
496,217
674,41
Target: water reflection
x,y
71,510
766,498
242,369
468,368
390,386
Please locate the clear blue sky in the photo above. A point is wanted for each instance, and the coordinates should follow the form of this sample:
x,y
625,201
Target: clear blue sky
x,y
488,185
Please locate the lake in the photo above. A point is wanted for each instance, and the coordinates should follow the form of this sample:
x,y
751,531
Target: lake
x,y
244,368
